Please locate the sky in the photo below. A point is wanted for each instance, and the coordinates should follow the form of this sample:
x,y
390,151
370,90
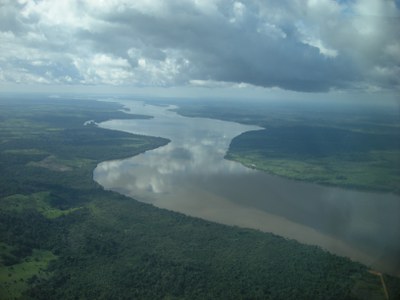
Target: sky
x,y
265,48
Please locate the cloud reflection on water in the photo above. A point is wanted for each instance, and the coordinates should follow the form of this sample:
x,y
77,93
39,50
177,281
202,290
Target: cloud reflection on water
x,y
190,175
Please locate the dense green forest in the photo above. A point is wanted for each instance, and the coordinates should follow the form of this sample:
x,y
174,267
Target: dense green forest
x,y
62,236
346,145
323,155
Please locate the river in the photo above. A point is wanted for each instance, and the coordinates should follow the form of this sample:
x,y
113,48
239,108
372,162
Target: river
x,y
191,176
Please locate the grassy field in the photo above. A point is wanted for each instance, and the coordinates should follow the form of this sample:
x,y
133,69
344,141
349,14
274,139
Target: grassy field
x,y
17,278
63,237
40,202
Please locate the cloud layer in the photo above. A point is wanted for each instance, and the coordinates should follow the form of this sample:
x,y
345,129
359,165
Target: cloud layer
x,y
314,45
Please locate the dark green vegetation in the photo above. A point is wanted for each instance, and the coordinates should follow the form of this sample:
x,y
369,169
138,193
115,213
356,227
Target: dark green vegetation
x,y
64,237
341,145
323,155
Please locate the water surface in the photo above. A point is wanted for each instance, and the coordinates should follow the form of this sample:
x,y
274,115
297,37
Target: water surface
x,y
190,175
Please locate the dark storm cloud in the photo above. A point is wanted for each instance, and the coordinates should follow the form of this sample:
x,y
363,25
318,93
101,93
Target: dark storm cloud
x,y
294,45
222,51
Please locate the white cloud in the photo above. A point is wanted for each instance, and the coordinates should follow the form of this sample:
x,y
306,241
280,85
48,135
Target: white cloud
x,y
103,68
296,45
217,84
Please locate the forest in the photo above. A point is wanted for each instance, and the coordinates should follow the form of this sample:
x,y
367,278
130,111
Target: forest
x,y
62,236
323,155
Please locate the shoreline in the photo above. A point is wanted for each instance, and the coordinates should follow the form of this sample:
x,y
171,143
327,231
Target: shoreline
x,y
345,187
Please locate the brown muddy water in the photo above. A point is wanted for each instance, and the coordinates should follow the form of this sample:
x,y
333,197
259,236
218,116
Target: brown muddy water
x,y
191,176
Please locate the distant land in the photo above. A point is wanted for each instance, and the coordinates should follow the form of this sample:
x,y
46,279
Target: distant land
x,y
323,155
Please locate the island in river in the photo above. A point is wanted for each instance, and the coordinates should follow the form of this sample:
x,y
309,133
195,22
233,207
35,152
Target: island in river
x,y
63,236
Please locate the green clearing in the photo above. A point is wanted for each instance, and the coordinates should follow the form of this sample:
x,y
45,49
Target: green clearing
x,y
64,237
40,202
17,278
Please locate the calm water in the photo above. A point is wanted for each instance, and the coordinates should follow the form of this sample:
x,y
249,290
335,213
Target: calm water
x,y
190,175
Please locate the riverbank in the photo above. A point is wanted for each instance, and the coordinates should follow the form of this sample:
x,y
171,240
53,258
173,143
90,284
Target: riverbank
x,y
191,176
323,155
343,145
98,244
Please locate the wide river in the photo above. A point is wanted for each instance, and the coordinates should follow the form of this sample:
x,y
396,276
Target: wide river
x,y
191,176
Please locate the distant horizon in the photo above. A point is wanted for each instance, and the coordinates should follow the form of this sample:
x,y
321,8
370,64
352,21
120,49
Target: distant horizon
x,y
360,98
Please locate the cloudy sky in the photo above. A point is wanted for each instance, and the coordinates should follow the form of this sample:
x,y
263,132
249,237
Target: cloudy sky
x,y
293,46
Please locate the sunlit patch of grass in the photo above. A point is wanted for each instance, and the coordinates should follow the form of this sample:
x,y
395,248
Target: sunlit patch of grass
x,y
57,164
37,201
51,163
5,251
15,279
